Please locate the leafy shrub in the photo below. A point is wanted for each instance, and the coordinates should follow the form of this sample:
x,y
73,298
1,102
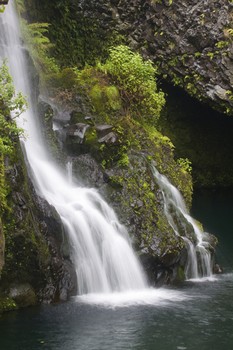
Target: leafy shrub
x,y
185,164
135,79
9,131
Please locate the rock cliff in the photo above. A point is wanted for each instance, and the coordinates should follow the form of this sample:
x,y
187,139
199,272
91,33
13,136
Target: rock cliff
x,y
36,266
191,41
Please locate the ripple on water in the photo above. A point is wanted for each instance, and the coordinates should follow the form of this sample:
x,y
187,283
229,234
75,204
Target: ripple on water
x,y
157,297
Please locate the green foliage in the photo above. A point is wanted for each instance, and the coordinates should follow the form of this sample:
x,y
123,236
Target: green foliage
x,y
64,79
229,31
8,103
7,304
104,97
185,164
135,79
9,131
21,8
2,8
113,97
3,189
35,35
222,44
210,55
124,160
79,37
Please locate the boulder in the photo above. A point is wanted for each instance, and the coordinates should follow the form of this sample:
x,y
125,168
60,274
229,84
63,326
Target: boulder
x,y
77,132
109,138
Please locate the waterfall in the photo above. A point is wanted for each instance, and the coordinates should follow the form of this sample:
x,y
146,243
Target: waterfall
x,y
69,167
100,246
199,262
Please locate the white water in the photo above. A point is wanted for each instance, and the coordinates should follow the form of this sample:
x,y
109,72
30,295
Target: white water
x,y
156,297
199,262
69,167
101,250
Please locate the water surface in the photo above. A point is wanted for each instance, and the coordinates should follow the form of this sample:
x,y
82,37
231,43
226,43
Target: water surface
x,y
203,320
195,315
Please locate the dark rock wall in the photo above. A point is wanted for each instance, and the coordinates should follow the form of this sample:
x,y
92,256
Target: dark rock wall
x,y
191,41
182,39
36,266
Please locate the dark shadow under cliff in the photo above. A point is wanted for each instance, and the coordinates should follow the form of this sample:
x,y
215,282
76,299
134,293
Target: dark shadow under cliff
x,y
202,135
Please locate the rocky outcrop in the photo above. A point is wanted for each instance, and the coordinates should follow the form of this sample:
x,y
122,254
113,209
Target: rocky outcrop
x,y
37,265
122,173
190,41
23,295
112,157
137,200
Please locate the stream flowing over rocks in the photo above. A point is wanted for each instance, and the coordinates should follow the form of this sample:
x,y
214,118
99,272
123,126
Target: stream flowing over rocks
x,y
192,45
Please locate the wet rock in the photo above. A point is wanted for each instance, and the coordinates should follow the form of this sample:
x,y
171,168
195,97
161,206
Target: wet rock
x,y
102,129
23,294
77,132
172,33
37,261
89,172
220,92
218,269
109,138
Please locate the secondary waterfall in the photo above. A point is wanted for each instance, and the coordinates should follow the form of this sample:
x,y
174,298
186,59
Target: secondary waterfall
x,y
69,167
199,262
101,250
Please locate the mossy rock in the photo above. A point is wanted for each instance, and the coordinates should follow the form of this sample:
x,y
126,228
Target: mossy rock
x,y
23,295
7,304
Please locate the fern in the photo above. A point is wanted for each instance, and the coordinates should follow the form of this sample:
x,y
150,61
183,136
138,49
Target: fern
x,y
35,35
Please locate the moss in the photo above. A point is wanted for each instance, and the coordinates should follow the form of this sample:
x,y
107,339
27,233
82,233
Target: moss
x,y
119,99
7,304
131,186
23,254
139,198
180,274
26,252
46,115
77,36
3,188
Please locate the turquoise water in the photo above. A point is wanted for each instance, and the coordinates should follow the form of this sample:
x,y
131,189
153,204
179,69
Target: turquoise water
x,y
214,208
191,316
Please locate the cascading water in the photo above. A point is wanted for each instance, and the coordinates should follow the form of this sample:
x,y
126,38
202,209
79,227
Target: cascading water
x,y
199,262
69,167
101,251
